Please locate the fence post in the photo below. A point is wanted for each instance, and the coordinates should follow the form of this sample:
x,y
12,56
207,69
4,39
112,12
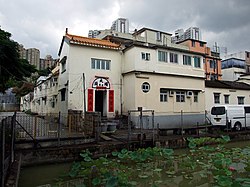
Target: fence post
x,y
206,124
2,153
96,119
70,122
13,127
35,127
245,115
182,122
153,128
129,128
59,129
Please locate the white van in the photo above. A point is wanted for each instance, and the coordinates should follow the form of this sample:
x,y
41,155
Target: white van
x,y
231,116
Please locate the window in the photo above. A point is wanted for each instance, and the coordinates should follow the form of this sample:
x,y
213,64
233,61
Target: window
x,y
241,100
100,64
163,95
247,109
63,67
212,64
158,36
145,56
216,98
63,64
226,99
186,60
201,44
145,87
107,65
197,62
63,94
103,65
180,96
53,103
218,110
173,57
162,56
196,97
213,77
248,54
193,43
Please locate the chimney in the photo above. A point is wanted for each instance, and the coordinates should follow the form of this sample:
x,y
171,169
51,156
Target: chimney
x,y
66,32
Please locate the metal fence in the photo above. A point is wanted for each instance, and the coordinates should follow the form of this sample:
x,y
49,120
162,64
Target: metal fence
x,y
6,146
50,126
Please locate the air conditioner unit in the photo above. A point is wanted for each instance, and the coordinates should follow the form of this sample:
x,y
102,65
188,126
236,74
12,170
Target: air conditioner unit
x,y
189,93
171,93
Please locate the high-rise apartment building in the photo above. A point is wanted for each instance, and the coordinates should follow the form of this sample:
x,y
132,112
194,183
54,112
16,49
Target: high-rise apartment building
x,y
32,55
22,52
193,33
93,33
47,62
120,25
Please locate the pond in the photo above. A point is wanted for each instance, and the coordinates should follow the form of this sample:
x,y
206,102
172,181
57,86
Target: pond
x,y
204,166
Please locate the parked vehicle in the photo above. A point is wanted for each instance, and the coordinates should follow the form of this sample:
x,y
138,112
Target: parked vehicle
x,y
231,116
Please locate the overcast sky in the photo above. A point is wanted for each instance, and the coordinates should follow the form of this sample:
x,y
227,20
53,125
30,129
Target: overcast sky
x,y
41,23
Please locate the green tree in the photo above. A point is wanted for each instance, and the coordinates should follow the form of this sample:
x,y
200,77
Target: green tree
x,y
13,70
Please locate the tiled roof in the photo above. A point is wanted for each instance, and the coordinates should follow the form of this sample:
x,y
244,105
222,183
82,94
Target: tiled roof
x,y
227,85
91,41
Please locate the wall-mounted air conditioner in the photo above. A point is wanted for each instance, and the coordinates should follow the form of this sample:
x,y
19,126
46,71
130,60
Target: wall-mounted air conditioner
x,y
189,93
171,93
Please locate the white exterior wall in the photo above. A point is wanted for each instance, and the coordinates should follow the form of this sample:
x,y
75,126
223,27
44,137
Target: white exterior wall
x,y
240,55
176,77
43,95
151,100
133,61
52,96
128,93
63,79
233,94
79,62
245,79
25,102
232,74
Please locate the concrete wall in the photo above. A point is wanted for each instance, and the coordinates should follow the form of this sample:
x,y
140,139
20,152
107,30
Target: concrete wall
x,y
233,94
79,63
167,114
232,74
133,61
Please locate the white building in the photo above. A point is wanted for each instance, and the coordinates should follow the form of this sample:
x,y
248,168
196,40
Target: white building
x,y
226,92
93,33
193,33
120,25
45,96
144,71
232,69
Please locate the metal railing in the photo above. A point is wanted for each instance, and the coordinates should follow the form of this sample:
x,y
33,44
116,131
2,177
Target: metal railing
x,y
7,139
48,126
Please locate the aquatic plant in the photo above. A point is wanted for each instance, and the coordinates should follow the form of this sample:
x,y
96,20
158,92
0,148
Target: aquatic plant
x,y
216,165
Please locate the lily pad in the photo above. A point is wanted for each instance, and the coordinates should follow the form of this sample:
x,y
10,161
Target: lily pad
x,y
143,176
